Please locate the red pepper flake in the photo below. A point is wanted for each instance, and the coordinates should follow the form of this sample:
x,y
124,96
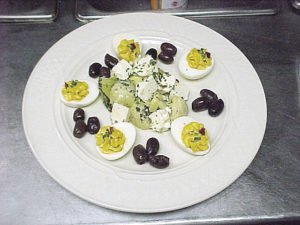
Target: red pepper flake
x,y
202,131
111,130
132,46
208,54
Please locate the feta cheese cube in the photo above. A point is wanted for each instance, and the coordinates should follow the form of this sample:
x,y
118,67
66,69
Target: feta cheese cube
x,y
145,66
167,82
122,70
119,113
181,91
160,120
146,88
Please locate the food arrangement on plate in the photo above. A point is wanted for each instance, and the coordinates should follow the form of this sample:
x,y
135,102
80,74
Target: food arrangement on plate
x,y
141,95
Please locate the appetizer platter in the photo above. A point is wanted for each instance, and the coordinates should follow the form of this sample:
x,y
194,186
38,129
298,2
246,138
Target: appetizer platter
x,y
137,115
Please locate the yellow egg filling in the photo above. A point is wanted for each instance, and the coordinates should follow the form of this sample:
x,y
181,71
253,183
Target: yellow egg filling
x,y
129,50
75,90
199,59
110,140
194,136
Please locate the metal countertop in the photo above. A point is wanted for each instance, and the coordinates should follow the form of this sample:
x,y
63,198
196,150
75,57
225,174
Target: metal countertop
x,y
267,193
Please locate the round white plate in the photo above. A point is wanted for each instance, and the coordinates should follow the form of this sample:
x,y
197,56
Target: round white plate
x,y
123,185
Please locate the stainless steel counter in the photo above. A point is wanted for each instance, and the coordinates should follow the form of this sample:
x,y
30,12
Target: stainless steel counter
x,y
267,193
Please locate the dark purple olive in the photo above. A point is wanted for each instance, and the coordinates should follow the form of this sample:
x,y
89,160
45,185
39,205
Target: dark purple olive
x,y
139,154
110,61
216,107
152,52
159,161
152,146
165,58
93,125
199,104
78,114
104,72
94,70
169,49
210,95
79,129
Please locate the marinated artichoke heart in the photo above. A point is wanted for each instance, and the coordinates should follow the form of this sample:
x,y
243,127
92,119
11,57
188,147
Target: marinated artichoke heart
x,y
178,107
122,93
139,116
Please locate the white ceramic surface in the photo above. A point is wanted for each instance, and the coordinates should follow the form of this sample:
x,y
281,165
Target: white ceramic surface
x,y
123,185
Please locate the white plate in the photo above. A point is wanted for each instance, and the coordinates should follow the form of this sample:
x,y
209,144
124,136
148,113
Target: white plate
x,y
123,185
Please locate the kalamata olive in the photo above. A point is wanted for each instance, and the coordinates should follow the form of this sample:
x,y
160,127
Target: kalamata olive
x,y
93,125
199,104
165,58
216,107
152,52
140,154
79,129
110,61
168,48
94,70
159,161
104,72
210,95
78,114
152,146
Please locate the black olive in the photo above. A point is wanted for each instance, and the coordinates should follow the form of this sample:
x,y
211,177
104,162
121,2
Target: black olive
x,y
216,107
159,161
152,146
110,61
168,48
165,58
140,154
78,114
93,125
210,95
152,52
94,70
79,129
199,104
104,72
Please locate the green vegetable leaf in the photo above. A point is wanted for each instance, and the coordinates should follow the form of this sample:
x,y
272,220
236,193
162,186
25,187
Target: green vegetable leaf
x,y
106,100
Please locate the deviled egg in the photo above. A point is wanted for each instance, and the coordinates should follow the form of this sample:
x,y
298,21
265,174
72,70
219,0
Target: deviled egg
x,y
127,46
195,63
115,141
78,93
190,135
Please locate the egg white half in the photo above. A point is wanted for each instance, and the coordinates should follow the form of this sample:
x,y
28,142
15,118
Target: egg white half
x,y
87,100
191,73
130,134
119,37
176,129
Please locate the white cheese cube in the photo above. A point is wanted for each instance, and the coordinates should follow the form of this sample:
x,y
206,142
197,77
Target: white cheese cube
x,y
119,113
122,70
181,91
167,83
145,66
146,88
160,120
